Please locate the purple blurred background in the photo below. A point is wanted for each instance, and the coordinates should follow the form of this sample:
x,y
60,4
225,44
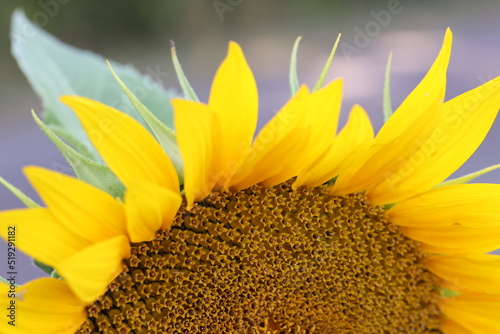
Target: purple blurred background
x,y
266,31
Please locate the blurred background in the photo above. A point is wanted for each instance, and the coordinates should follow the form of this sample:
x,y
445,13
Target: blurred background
x,y
138,33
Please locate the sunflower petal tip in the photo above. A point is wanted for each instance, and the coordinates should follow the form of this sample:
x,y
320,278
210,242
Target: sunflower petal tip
x,y
32,171
234,45
303,89
67,99
235,50
448,36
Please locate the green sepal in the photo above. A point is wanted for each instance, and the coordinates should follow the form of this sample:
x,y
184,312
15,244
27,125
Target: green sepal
x,y
331,182
54,274
165,136
47,269
447,293
387,106
3,280
469,177
55,69
326,68
292,74
388,206
187,89
84,148
94,173
19,194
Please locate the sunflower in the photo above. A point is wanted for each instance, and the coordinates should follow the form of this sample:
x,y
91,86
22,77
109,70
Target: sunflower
x,y
300,230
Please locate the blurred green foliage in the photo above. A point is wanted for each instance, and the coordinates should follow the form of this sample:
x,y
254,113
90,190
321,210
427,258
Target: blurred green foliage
x,y
87,19
91,18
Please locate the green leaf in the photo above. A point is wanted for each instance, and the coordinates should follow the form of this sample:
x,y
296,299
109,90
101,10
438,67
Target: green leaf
x,y
19,194
387,90
189,93
55,69
47,269
293,76
469,177
96,174
164,135
326,68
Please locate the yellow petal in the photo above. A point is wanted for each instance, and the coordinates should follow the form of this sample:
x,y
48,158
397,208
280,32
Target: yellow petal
x,y
480,273
89,271
197,129
401,137
350,144
234,99
316,131
471,205
84,210
322,117
455,239
40,235
477,312
464,123
127,148
42,306
274,154
451,327
354,139
323,113
149,208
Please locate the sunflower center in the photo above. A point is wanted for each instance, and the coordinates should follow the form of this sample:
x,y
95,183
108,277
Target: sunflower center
x,y
273,260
